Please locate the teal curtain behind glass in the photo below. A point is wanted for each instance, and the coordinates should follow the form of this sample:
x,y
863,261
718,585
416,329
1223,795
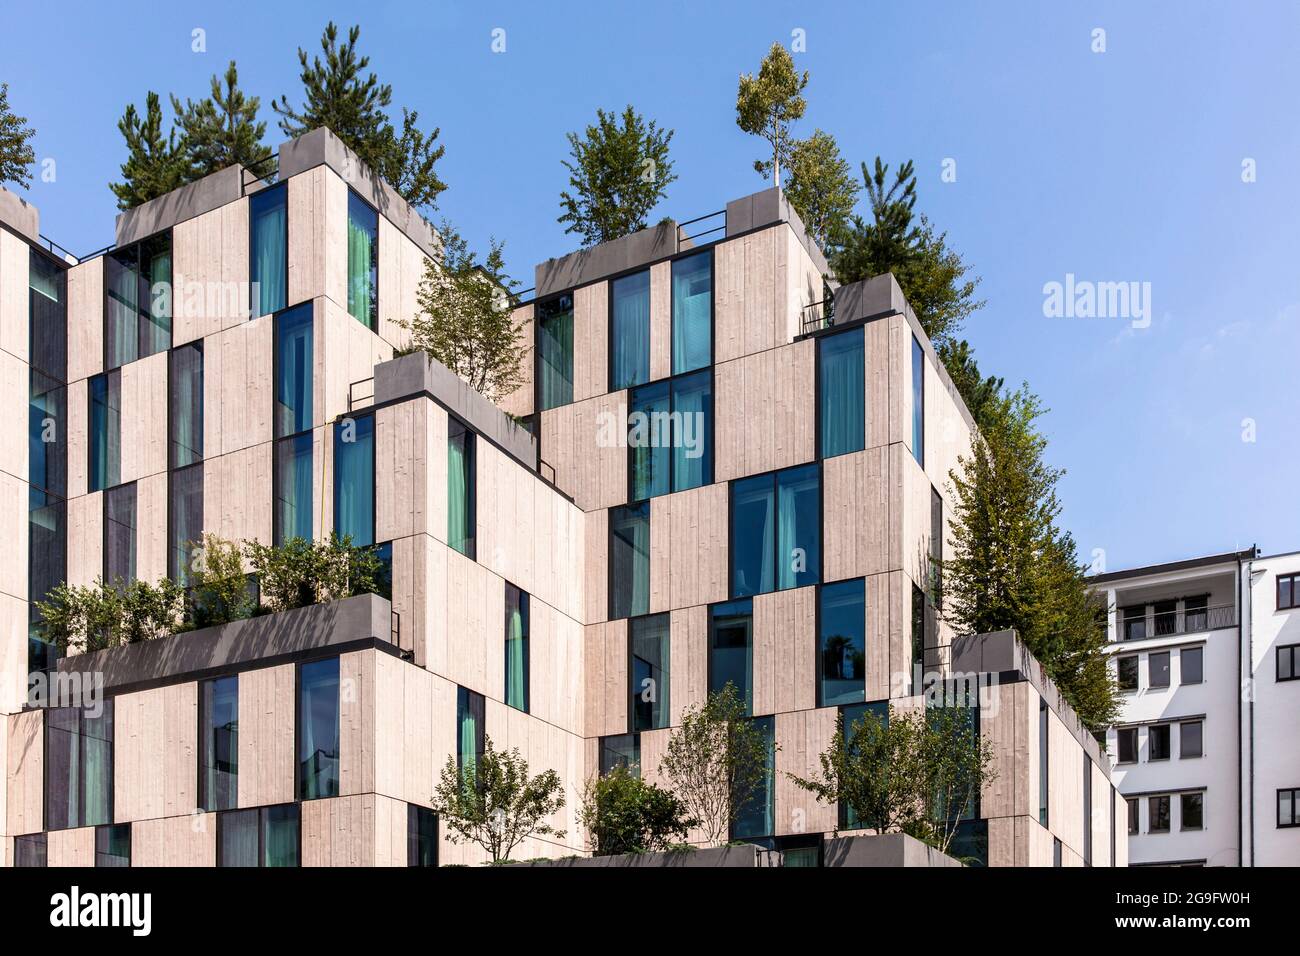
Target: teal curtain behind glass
x,y
843,405
97,746
122,279
918,402
469,713
630,350
318,729
293,517
280,826
98,466
555,345
692,312
354,479
187,404
460,490
363,228
516,648
156,298
630,560
798,546
270,235
649,439
294,371
753,535
693,419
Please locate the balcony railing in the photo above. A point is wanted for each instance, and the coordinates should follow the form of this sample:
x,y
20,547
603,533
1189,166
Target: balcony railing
x,y
702,226
817,316
1170,623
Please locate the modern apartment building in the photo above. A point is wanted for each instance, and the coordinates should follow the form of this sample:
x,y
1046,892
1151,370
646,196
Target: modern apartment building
x,y
716,472
1204,752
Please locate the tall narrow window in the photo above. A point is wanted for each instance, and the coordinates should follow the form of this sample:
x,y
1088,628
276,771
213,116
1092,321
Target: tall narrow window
x,y
756,814
363,261
555,351
692,430
649,638
841,644
1190,735
1158,737
78,766
776,531
469,732
918,402
31,850
318,729
113,845
119,535
1044,730
354,479
935,570
917,671
860,719
121,306
670,440
1127,739
1126,669
293,491
731,649
184,521
649,440
268,256
1087,810
105,465
1192,807
629,561
265,836
1158,814
1134,809
461,504
185,385
516,648
629,353
219,743
692,279
294,357
1135,623
155,322
621,750
1196,612
841,397
421,836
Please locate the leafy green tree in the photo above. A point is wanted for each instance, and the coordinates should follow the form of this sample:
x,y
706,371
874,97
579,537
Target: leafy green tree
x,y
102,615
956,765
300,573
624,814
466,318
339,95
1014,568
821,187
155,164
617,174
221,129
497,805
16,155
716,761
768,103
978,391
219,589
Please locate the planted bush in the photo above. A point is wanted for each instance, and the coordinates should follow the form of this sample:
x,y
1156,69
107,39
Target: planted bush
x,y
301,572
101,615
624,814
219,588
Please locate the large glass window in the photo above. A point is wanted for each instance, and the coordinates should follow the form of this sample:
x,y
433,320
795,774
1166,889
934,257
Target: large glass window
x,y
1190,735
853,716
137,300
1127,738
629,353
649,441
1158,669
692,399
842,644
776,531
470,732
113,845
918,402
1158,814
755,817
516,648
78,766
1044,749
185,520
354,479
363,261
461,503
1126,669
1192,806
105,465
692,312
293,491
1158,736
1135,623
629,560
621,750
670,435
731,649
265,836
1288,807
841,407
46,567
555,351
1190,665
649,638
119,535
185,385
318,729
219,743
31,850
421,836
294,359
268,257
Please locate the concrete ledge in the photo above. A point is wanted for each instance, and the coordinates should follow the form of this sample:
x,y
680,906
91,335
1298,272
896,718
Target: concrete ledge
x,y
618,255
767,208
170,659
417,374
869,299
20,215
883,849
321,147
743,857
209,193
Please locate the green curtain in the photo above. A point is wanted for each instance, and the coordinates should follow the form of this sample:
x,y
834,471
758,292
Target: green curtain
x,y
458,493
692,312
467,747
631,329
918,403
798,543
555,340
157,314
516,660
122,277
269,238
280,835
354,480
843,406
97,743
650,458
318,729
693,416
360,287
294,504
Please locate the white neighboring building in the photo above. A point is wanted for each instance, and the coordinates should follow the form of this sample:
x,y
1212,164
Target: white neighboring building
x,y
1271,714
1175,639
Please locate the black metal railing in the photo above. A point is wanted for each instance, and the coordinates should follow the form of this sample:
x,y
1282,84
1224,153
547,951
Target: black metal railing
x,y
683,237
1186,621
264,172
354,399
817,316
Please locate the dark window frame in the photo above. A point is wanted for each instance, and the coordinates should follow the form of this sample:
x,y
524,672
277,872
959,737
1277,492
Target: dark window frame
x,y
1152,816
1120,683
336,440
459,429
820,344
1183,799
1291,654
135,247
609,558
254,310
261,812
747,693
1293,581
1151,671
523,600
1167,729
299,781
373,325
709,439
201,750
1122,734
1295,807
672,307
610,282
774,477
1183,653
1182,749
633,690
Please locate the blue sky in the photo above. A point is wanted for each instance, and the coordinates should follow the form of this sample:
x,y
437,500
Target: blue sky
x,y
1117,166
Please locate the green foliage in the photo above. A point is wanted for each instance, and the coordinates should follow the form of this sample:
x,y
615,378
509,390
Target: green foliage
x,y
979,392
618,174
300,573
624,814
1014,568
500,805
715,762
16,154
221,129
821,187
98,616
768,103
339,94
466,318
155,164
219,588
